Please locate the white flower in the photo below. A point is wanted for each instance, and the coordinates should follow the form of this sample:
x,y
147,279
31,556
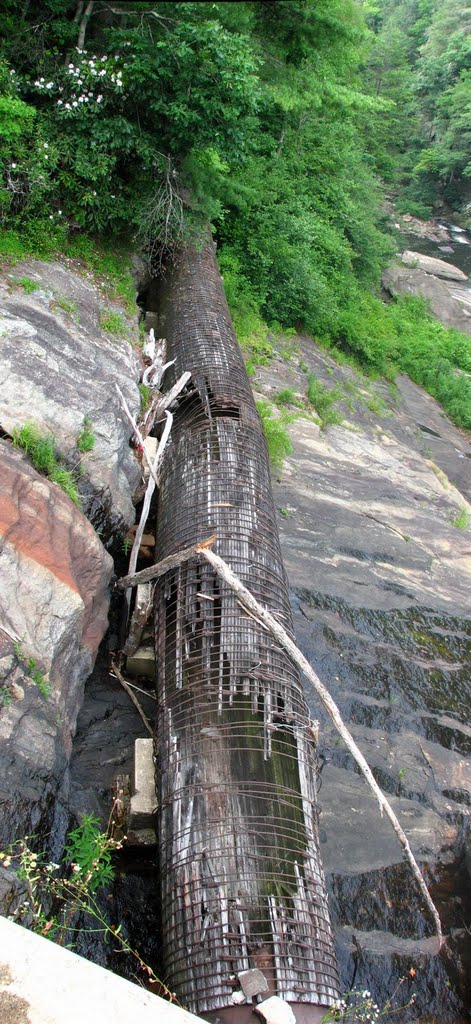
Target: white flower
x,y
46,156
102,72
67,106
99,99
49,85
70,66
75,104
81,99
51,216
45,145
12,72
59,213
13,165
59,103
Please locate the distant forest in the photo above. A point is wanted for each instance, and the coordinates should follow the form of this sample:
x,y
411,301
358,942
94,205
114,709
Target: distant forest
x,y
278,123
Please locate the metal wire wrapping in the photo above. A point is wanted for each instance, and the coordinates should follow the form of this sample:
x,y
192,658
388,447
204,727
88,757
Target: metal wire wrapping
x,y
242,880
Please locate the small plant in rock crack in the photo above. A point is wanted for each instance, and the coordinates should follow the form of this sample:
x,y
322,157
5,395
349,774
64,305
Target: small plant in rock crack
x,y
86,439
41,450
68,306
59,898
462,520
358,1006
28,285
31,669
112,322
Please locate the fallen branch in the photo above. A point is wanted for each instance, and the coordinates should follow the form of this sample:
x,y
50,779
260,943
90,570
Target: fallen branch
x,y
153,479
115,672
160,403
147,503
285,641
154,572
137,433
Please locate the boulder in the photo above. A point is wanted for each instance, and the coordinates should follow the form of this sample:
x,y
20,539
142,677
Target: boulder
x,y
53,613
57,366
401,280
432,265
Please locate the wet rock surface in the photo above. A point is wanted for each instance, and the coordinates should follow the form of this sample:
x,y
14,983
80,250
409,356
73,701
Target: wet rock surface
x,y
57,366
381,587
54,600
433,265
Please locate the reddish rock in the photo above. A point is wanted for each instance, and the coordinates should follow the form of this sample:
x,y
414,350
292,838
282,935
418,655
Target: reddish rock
x,y
54,600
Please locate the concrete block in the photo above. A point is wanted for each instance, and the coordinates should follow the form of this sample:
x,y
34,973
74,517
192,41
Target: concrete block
x,y
275,1011
142,663
144,797
151,320
253,982
42,983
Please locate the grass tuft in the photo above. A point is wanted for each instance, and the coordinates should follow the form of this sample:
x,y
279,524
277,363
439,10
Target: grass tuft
x,y
41,450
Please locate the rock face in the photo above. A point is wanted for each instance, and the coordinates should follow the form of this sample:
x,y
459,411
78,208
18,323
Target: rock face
x,y
54,600
381,587
57,365
431,265
449,302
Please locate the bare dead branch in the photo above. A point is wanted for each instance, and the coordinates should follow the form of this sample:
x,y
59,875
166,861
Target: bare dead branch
x,y
154,572
124,683
279,633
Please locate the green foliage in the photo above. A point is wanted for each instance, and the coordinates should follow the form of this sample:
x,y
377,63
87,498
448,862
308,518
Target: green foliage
x,y
61,899
41,450
252,332
112,322
146,396
462,520
277,437
28,285
30,668
286,396
404,336
89,854
67,305
421,141
323,400
86,439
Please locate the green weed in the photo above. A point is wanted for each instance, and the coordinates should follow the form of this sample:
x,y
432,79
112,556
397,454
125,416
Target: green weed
x,y
41,450
86,439
55,894
277,437
146,395
68,306
28,285
323,401
287,396
376,405
113,323
30,668
462,520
